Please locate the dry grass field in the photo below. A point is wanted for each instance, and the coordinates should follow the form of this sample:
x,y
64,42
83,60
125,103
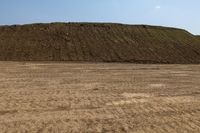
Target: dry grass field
x,y
89,98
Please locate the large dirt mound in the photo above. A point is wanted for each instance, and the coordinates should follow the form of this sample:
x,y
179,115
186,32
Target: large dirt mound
x,y
98,43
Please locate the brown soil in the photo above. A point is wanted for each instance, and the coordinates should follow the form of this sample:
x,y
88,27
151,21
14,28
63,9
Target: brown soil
x,y
92,98
96,42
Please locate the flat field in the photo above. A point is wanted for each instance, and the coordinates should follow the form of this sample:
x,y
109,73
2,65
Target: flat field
x,y
84,97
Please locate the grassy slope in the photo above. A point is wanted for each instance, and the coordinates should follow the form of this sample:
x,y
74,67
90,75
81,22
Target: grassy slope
x,y
198,37
98,42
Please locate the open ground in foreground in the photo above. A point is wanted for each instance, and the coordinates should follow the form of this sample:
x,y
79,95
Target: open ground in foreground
x,y
83,97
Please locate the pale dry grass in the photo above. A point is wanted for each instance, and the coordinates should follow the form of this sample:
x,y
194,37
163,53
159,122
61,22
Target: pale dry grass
x,y
75,97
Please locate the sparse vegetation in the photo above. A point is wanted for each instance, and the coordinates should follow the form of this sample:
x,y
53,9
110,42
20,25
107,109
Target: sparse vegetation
x,y
98,43
198,37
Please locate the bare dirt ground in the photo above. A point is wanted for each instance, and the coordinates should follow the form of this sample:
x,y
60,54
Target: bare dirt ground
x,y
90,98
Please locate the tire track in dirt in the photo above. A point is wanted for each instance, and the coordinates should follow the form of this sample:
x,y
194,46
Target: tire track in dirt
x,y
109,100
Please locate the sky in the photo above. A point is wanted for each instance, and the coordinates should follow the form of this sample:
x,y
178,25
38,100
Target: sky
x,y
183,14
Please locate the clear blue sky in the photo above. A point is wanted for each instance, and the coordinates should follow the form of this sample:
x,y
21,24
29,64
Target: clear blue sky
x,y
175,13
